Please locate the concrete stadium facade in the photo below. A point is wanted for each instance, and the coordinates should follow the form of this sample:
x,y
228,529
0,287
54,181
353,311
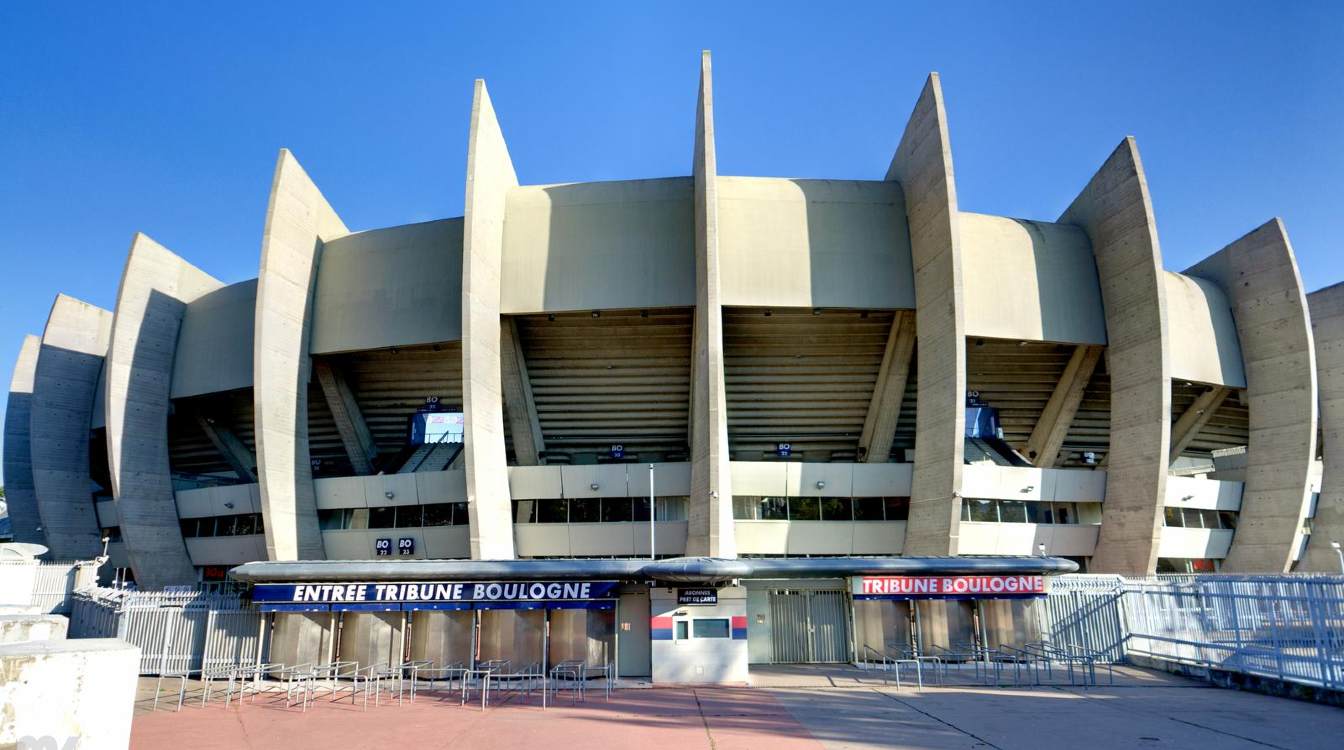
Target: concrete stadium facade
x,y
810,366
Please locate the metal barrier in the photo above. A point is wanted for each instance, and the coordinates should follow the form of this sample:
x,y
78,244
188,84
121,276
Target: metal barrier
x,y
1289,628
46,587
1086,611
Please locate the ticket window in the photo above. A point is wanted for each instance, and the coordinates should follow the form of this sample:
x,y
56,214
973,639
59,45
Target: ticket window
x,y
701,628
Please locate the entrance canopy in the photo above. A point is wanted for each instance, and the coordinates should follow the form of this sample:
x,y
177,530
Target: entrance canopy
x,y
692,570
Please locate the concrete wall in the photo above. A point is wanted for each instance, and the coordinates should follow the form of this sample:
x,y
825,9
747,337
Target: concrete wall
x,y
398,286
799,538
711,502
20,497
1030,280
80,693
298,221
26,628
216,342
1259,275
1327,327
1073,540
1203,339
990,481
1116,212
597,245
923,167
794,479
814,243
699,661
155,289
1195,544
64,384
490,176
1207,494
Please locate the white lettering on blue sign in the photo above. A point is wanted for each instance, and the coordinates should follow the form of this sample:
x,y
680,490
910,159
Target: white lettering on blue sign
x,y
495,591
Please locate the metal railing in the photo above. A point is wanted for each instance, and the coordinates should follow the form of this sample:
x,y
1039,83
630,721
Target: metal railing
x,y
45,587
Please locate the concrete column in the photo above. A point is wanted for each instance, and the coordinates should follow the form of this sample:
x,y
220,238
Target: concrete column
x,y
519,404
355,433
155,289
490,176
884,410
1327,327
1116,212
710,527
231,448
19,494
64,386
1259,275
1189,424
923,167
298,221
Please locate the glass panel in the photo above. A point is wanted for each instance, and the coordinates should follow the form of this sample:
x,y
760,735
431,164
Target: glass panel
x,y
773,509
408,516
965,510
553,511
460,517
524,511
1169,565
804,509
836,509
226,526
681,634
898,508
328,520
244,525
382,518
1038,513
438,514
671,508
1012,511
359,518
260,524
189,527
868,509
1172,517
1228,519
745,507
641,510
584,510
716,627
1066,513
1193,519
616,510
983,511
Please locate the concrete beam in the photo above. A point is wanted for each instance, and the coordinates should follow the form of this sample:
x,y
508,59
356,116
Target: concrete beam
x,y
65,382
230,446
1259,275
1327,329
1189,424
710,528
923,167
519,405
156,286
1116,212
884,410
490,176
355,433
19,494
298,221
1047,438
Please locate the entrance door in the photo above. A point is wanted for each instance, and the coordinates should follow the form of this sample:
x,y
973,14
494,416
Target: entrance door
x,y
809,626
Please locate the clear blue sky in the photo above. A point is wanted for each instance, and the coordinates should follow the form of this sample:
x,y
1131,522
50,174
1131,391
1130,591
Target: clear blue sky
x,y
166,118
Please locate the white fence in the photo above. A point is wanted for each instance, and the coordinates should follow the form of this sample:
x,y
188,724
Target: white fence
x,y
1086,611
43,587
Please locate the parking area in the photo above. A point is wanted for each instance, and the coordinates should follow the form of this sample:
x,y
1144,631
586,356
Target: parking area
x,y
787,708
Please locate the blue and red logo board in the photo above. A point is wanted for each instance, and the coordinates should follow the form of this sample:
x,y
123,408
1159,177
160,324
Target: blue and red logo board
x,y
660,628
321,597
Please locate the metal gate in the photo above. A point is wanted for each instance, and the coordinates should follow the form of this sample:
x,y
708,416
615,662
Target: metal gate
x,y
809,626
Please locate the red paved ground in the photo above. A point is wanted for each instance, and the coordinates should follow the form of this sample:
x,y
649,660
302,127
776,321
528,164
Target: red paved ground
x,y
684,719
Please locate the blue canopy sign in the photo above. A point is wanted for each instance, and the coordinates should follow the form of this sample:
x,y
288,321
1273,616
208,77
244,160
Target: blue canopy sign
x,y
434,591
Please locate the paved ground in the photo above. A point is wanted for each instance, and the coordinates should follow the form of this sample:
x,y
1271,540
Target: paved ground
x,y
788,709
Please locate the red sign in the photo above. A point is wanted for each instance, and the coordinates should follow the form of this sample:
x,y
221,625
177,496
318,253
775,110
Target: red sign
x,y
945,586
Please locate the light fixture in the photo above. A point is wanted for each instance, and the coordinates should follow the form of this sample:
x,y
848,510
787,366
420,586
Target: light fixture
x,y
1187,498
228,505
1029,488
1041,548
551,317
594,486
816,311
643,313
389,494
821,485
597,313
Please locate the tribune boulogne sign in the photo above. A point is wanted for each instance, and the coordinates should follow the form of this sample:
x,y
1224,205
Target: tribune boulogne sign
x,y
435,591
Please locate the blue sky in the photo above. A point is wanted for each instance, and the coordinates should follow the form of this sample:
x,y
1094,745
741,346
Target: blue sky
x,y
166,118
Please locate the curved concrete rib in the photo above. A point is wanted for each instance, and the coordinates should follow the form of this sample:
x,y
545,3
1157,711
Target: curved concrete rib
x,y
490,176
923,167
64,385
1327,328
155,289
1116,212
298,221
19,494
710,528
1259,275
